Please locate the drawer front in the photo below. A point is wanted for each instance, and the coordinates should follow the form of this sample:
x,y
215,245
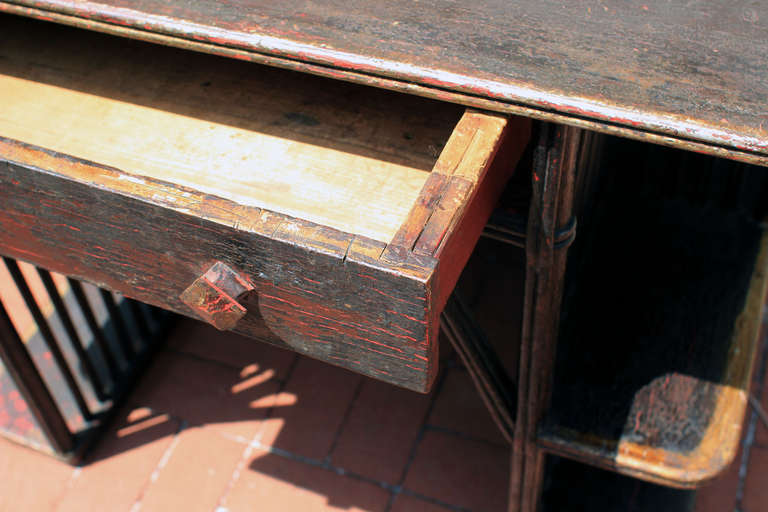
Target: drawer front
x,y
351,301
321,301
327,218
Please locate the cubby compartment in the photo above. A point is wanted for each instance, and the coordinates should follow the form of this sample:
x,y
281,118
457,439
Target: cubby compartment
x,y
663,303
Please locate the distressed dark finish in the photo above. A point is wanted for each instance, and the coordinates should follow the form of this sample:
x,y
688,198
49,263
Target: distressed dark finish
x,y
319,291
652,364
687,74
371,305
328,304
555,161
653,367
692,76
680,428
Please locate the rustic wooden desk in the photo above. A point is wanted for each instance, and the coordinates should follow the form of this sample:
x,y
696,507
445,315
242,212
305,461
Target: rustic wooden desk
x,y
692,76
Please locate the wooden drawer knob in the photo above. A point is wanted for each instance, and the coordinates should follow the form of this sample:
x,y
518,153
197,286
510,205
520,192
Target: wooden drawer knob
x,y
214,296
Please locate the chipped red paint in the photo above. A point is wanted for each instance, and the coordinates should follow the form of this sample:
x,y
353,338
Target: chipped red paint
x,y
310,309
214,296
111,252
421,321
406,287
396,298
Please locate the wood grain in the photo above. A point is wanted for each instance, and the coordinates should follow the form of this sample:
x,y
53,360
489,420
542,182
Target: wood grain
x,y
224,128
691,71
317,290
663,305
139,167
330,304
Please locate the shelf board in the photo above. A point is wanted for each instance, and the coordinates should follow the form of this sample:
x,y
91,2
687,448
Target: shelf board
x,y
659,337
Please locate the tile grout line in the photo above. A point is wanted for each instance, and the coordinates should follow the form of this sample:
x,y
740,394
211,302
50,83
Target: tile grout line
x,y
283,385
398,488
76,471
249,447
233,479
221,364
433,501
324,465
462,435
164,458
345,419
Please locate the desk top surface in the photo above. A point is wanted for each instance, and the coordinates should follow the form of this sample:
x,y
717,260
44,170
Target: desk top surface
x,y
696,70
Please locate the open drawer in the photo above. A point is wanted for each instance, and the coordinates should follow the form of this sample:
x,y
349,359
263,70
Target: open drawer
x,y
327,217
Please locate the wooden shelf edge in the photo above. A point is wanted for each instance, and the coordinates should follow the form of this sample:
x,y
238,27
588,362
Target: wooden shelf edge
x,y
718,445
682,471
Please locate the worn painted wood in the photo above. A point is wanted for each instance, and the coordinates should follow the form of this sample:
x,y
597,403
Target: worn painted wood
x,y
555,160
681,430
663,305
316,302
326,294
88,202
689,74
215,296
310,148
451,239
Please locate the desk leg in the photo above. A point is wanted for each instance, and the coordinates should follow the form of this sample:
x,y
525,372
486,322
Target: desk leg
x,y
550,230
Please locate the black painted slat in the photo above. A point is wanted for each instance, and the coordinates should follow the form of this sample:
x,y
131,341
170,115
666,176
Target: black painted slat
x,y
33,390
74,337
93,324
140,321
116,318
48,337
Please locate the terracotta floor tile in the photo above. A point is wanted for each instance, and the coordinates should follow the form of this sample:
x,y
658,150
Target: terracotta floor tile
x,y
459,407
118,470
207,394
492,287
720,494
206,342
462,472
196,475
275,484
446,351
405,503
380,431
761,433
311,408
756,484
30,480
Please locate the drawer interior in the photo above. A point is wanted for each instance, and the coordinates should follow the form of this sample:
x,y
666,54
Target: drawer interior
x,y
326,217
349,157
